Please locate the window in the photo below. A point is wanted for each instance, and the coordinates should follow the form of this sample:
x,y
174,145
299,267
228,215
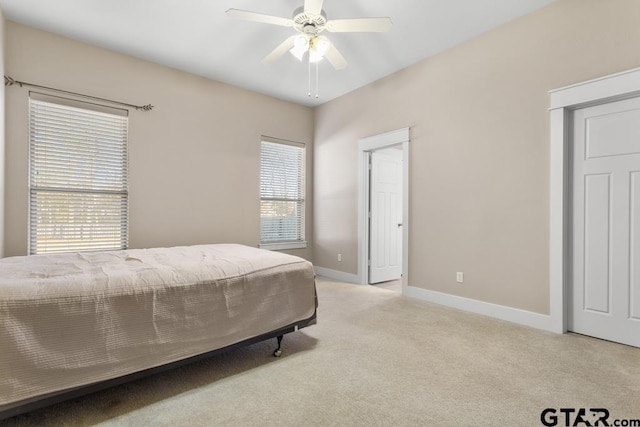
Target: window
x,y
282,171
78,198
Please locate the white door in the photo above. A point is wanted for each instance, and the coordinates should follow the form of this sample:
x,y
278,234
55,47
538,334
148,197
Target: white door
x,y
605,290
385,236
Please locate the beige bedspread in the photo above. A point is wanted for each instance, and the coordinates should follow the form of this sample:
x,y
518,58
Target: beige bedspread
x,y
68,320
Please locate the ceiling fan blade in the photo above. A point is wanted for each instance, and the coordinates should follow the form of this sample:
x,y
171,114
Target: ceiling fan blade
x,y
259,17
313,7
359,25
335,58
283,48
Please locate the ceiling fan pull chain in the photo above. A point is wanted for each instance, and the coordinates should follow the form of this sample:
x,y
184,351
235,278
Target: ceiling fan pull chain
x,y
317,69
309,79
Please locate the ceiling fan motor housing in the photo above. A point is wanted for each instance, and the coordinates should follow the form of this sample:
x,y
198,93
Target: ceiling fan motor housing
x,y
308,23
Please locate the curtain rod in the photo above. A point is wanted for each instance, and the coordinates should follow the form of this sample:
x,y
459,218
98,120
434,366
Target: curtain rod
x,y
8,81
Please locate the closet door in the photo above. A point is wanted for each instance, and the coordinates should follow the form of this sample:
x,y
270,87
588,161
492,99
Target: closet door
x,y
605,288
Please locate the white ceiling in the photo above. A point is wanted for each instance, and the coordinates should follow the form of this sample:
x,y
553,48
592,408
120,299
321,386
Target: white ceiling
x,y
196,36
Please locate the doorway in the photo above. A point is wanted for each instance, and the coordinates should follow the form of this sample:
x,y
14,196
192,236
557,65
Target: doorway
x,y
604,290
595,207
385,217
383,222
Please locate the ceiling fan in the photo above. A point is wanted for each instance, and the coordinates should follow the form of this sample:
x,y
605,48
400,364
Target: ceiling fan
x,y
310,20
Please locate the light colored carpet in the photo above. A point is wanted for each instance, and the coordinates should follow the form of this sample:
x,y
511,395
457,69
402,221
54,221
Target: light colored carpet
x,y
392,285
376,358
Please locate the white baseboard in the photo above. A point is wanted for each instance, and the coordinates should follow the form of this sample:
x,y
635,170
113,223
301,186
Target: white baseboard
x,y
337,275
510,314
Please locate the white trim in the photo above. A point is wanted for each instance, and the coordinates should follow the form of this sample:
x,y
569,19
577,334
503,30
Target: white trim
x,y
365,146
383,140
558,204
510,314
363,202
598,91
623,85
266,138
283,246
336,275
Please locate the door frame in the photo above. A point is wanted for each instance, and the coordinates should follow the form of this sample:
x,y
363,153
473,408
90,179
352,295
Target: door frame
x,y
365,147
563,102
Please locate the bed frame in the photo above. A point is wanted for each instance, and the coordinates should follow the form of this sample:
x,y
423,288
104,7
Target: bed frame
x,y
32,404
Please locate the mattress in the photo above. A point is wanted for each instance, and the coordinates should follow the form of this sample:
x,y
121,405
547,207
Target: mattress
x,y
68,320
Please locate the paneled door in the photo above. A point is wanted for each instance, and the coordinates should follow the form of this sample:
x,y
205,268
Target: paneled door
x,y
605,286
385,216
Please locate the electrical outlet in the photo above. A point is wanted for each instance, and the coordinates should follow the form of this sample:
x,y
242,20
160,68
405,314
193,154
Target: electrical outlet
x,y
339,257
460,277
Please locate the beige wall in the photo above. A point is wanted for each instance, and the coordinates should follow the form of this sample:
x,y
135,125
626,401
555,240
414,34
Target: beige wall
x,y
194,159
479,166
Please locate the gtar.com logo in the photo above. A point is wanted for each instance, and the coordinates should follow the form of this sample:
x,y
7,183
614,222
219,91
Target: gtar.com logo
x,y
583,417
551,417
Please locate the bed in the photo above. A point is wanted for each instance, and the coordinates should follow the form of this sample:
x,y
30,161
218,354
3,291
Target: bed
x,y
77,322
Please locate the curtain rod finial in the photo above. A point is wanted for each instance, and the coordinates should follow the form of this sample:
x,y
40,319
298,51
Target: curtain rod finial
x,y
8,81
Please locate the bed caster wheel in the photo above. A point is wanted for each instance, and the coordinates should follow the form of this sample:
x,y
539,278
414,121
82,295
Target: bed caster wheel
x,y
278,351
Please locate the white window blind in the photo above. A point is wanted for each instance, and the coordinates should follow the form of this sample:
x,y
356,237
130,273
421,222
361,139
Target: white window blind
x,y
282,171
77,176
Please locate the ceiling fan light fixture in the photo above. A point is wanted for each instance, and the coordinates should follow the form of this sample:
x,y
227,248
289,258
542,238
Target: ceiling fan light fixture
x,y
300,47
319,47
